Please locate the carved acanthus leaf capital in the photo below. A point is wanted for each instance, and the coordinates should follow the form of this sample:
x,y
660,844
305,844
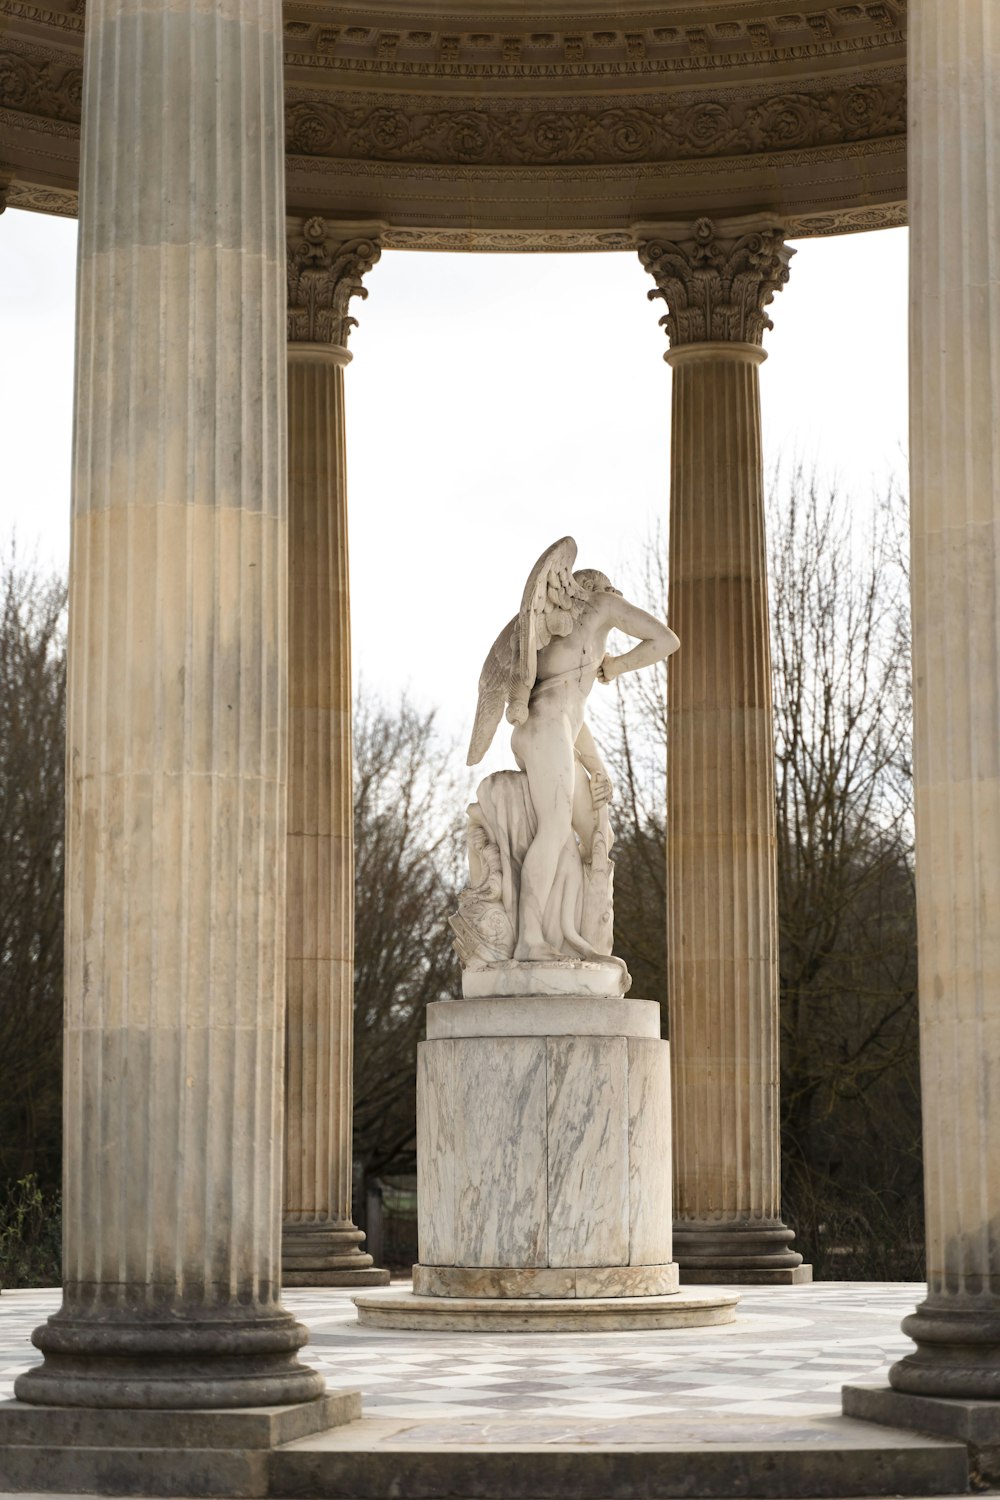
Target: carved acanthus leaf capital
x,y
717,279
324,273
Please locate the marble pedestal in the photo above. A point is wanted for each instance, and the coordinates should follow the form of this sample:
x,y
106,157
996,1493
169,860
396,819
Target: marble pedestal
x,y
543,1170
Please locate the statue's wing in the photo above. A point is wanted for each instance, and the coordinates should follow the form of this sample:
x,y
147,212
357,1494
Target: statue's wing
x,y
531,633
494,681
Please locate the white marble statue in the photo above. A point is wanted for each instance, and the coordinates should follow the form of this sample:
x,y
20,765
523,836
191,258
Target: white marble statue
x,y
539,839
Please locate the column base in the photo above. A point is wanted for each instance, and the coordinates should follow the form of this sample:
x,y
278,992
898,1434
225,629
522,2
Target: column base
x,y
957,1354
780,1276
105,1359
710,1254
177,1453
975,1423
327,1255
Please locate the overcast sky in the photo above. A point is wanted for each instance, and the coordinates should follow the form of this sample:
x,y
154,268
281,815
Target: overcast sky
x,y
494,403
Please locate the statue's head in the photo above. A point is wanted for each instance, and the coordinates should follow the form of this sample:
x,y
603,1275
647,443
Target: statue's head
x,y
595,582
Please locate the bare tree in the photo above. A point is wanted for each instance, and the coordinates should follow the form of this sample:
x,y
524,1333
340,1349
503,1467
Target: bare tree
x,y
847,930
407,838
840,642
32,712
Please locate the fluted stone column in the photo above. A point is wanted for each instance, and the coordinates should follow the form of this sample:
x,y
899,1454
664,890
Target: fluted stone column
x,y
175,857
722,902
954,79
321,1246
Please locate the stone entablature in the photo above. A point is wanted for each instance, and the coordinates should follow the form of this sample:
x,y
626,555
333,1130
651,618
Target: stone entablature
x,y
411,116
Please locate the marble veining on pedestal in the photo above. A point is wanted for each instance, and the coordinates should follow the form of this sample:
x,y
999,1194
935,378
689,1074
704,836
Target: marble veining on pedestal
x,y
545,1153
588,1171
650,1208
436,1156
500,1172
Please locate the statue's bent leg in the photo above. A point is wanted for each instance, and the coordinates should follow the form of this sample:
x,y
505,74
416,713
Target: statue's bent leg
x,y
585,817
547,751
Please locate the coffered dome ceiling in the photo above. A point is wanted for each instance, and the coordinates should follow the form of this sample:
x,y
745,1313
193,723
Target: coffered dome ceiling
x,y
478,125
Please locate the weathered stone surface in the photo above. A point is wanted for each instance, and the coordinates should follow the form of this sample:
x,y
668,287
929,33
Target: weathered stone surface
x,y
436,1153
587,1151
176,722
649,1185
975,1423
717,280
544,1152
755,1275
596,978
262,1427
532,1315
500,1151
563,1281
183,1453
544,1015
320,1243
955,584
849,1458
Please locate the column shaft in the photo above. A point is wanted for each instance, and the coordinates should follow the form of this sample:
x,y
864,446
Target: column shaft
x,y
176,725
722,920
320,1242
954,66
721,881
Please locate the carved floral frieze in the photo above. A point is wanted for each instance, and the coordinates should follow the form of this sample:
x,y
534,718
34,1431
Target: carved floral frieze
x,y
514,133
575,134
48,88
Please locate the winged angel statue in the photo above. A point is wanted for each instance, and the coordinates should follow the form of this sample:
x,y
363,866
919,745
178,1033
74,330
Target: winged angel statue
x,y
539,839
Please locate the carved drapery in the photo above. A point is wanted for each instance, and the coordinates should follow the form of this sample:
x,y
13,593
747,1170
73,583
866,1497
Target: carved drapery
x,y
716,284
324,274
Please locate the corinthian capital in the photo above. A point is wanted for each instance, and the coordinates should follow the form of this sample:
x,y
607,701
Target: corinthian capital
x,y
325,265
716,278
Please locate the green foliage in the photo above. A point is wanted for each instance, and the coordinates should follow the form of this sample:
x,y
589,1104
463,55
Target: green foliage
x,y
30,1235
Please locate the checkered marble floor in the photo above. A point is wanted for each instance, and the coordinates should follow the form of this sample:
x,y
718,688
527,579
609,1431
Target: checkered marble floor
x,y
786,1356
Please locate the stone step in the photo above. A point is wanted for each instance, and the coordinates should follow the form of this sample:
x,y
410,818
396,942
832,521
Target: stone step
x,y
634,1459
199,1454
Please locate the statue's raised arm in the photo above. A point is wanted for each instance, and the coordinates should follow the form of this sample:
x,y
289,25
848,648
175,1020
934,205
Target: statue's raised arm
x,y
537,915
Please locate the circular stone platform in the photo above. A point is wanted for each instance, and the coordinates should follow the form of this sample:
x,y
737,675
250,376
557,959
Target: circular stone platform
x,y
534,1315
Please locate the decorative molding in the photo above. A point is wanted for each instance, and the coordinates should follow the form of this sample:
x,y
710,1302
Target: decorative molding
x,y
578,46
847,221
41,15
576,133
571,57
799,162
716,279
43,200
371,38
324,273
510,241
